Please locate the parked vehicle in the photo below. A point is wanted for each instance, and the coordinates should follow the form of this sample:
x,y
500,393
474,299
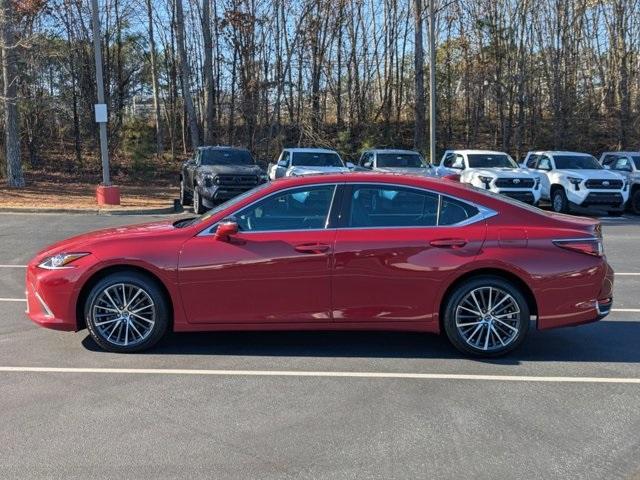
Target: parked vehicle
x,y
626,164
493,171
332,252
573,179
407,162
215,174
296,162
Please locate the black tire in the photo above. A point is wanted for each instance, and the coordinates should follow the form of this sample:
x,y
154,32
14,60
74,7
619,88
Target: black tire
x,y
559,201
634,201
99,323
462,336
185,197
198,206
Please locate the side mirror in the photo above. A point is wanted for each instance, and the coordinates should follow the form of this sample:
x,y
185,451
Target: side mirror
x,y
607,167
350,166
368,164
282,163
226,228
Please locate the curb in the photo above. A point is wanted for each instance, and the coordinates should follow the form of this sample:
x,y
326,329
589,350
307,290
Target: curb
x,y
93,211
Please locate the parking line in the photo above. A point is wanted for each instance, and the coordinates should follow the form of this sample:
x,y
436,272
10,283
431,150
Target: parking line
x,y
13,266
321,374
13,299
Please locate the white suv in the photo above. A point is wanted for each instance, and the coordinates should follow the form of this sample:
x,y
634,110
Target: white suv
x,y
295,162
573,179
408,162
626,164
493,171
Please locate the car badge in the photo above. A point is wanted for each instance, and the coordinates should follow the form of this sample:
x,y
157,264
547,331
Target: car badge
x,y
516,180
605,183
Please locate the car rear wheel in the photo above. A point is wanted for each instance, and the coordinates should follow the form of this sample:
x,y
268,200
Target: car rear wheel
x,y
126,312
198,206
559,201
486,317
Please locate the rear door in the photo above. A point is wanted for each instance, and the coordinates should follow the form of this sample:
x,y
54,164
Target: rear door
x,y
394,247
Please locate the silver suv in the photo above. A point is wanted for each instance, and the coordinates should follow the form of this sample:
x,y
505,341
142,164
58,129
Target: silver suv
x,y
626,164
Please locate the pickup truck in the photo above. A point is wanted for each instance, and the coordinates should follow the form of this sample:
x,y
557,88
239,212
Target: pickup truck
x,y
493,171
574,179
626,164
216,174
296,162
388,160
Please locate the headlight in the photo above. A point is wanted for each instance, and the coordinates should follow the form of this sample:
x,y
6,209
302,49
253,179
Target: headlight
x,y
537,184
575,181
626,185
263,178
485,180
62,260
208,179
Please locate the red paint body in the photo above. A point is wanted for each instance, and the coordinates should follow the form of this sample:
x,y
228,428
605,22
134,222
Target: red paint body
x,y
369,278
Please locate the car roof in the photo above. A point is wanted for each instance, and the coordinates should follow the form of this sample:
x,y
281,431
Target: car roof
x,y
484,152
558,152
628,152
310,150
391,150
221,147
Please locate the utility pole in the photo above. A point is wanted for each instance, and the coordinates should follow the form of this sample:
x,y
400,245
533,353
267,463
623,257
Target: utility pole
x,y
106,193
432,83
101,108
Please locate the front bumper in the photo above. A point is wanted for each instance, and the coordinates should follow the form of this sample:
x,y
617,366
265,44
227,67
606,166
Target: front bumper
x,y
591,198
530,196
51,296
217,193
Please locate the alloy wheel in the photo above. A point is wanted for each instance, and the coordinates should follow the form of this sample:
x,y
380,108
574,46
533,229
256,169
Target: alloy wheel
x,y
488,319
123,314
557,203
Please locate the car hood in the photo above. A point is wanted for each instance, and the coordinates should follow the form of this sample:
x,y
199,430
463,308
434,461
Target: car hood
x,y
230,169
406,171
591,174
302,170
504,172
86,240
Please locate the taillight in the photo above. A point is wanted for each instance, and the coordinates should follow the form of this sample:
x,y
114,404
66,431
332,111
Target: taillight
x,y
590,246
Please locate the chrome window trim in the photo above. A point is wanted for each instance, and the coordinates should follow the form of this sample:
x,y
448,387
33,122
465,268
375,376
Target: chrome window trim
x,y
484,213
211,230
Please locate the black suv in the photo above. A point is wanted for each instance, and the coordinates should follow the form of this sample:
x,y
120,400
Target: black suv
x,y
215,174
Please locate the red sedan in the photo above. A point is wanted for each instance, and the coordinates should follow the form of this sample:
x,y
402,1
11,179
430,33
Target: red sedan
x,y
335,252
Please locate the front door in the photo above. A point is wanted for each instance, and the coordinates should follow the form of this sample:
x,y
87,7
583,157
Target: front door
x,y
395,248
275,270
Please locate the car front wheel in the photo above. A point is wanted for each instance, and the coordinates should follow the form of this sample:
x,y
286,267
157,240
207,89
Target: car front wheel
x,y
126,312
486,317
634,202
198,206
559,201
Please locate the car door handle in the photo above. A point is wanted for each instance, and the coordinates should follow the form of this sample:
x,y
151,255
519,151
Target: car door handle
x,y
312,248
448,243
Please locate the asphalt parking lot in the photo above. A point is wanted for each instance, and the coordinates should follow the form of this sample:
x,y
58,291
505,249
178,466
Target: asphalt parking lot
x,y
316,405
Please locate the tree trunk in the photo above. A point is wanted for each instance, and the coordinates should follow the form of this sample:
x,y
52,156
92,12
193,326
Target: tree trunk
x,y
209,92
419,107
10,80
154,81
186,77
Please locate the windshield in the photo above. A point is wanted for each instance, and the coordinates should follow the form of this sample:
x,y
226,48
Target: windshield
x,y
400,160
316,159
576,162
227,204
489,160
230,156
